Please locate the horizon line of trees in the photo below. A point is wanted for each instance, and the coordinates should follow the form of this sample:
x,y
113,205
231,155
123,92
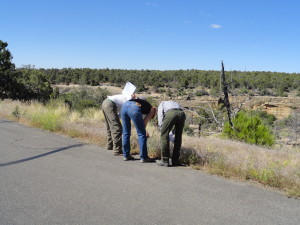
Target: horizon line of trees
x,y
28,83
259,81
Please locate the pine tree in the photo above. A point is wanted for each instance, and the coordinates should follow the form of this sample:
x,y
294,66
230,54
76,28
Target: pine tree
x,y
8,73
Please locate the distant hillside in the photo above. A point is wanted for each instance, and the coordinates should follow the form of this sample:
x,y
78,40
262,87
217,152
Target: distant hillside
x,y
253,83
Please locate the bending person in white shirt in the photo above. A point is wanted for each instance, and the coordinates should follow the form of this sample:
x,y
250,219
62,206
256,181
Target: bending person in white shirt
x,y
111,107
170,115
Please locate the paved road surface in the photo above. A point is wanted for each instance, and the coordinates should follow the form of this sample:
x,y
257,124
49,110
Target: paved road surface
x,y
51,179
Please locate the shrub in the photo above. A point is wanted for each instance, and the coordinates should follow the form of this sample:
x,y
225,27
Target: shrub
x,y
268,119
249,129
16,112
84,98
188,130
243,91
201,93
281,93
214,92
265,92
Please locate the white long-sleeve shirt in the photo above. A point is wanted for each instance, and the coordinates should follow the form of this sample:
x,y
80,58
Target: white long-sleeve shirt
x,y
119,100
163,107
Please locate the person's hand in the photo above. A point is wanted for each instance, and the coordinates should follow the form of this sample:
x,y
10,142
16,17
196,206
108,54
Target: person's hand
x,y
133,96
147,134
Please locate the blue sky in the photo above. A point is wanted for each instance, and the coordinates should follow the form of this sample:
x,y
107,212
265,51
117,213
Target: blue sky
x,y
251,35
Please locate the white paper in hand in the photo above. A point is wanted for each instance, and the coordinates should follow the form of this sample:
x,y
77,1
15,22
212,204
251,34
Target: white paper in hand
x,y
128,90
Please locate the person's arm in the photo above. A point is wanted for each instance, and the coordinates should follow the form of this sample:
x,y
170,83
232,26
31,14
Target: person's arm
x,y
150,115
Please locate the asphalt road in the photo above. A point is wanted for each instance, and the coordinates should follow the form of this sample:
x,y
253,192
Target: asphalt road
x,y
52,179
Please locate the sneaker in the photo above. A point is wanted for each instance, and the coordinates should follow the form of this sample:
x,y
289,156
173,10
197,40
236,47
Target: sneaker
x,y
148,160
118,153
162,163
176,163
128,158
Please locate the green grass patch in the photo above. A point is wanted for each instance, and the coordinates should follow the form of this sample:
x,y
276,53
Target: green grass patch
x,y
47,120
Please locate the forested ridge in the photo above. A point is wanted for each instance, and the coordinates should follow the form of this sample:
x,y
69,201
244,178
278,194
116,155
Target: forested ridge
x,y
27,82
261,82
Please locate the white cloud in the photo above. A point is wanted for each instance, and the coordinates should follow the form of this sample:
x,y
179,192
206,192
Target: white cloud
x,y
215,26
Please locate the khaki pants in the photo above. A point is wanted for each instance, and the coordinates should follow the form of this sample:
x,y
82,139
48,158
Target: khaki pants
x,y
113,126
173,118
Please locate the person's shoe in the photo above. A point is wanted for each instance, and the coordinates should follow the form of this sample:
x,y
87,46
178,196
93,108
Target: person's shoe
x,y
148,160
176,163
162,163
118,153
128,158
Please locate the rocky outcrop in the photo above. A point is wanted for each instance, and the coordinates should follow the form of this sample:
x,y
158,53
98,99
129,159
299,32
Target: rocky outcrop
x,y
280,107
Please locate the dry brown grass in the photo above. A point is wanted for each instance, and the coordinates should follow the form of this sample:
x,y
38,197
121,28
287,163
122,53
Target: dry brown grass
x,y
279,168
63,88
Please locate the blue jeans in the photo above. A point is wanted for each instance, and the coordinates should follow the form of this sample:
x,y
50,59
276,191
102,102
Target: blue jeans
x,y
130,111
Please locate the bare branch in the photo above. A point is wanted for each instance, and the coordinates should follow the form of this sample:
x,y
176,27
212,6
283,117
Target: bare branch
x,y
240,106
213,114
